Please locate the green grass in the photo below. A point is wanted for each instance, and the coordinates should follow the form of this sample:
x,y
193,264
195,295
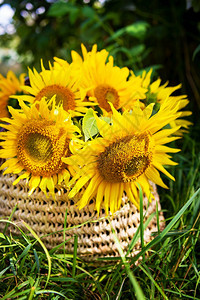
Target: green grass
x,y
169,267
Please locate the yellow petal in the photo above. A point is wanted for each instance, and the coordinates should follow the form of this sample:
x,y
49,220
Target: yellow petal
x,y
79,184
87,193
107,195
34,183
162,169
154,176
99,197
23,176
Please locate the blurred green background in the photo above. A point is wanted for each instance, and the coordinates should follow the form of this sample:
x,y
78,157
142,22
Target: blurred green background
x,y
139,34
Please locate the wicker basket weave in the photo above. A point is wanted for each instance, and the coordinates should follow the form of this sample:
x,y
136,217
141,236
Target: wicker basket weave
x,y
95,239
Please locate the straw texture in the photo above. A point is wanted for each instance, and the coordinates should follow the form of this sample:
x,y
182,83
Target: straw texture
x,y
95,239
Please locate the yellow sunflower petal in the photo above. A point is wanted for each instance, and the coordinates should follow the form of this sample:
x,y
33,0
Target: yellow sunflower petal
x,y
79,184
23,176
162,169
100,195
154,176
34,183
132,198
87,194
119,197
107,195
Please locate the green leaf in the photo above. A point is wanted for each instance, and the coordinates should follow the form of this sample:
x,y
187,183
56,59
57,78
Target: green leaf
x,y
137,50
60,8
88,12
89,125
137,30
74,14
106,119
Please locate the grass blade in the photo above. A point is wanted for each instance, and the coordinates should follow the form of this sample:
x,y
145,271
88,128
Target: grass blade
x,y
37,260
50,292
25,251
157,217
136,235
64,231
154,282
136,286
44,248
31,295
75,255
141,217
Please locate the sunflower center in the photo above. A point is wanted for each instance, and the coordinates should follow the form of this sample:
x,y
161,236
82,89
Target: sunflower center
x,y
63,94
127,158
40,147
104,94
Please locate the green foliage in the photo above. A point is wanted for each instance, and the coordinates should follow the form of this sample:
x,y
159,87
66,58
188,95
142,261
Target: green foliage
x,y
49,30
61,8
139,34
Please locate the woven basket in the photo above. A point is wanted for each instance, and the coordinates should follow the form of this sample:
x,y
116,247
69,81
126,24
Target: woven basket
x,y
95,239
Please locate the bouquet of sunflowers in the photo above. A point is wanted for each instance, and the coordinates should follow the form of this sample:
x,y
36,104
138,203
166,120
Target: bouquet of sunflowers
x,y
89,126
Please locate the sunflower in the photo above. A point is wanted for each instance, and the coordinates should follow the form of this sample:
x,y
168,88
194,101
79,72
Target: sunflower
x,y
129,152
157,93
9,86
77,60
110,84
106,82
59,82
34,143
99,55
